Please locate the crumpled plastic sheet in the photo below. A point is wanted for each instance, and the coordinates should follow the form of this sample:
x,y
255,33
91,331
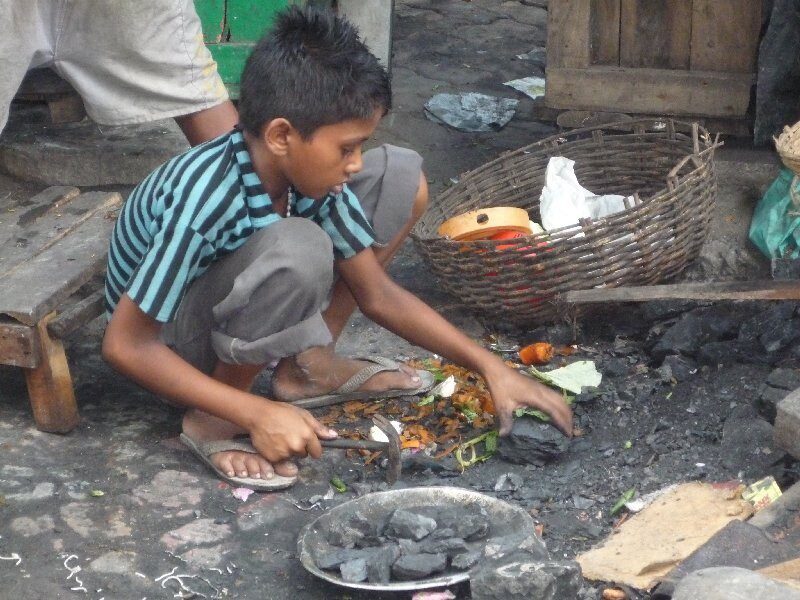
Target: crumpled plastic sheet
x,y
471,111
531,86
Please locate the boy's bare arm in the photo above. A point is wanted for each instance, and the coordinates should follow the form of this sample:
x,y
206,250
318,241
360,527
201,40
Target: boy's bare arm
x,y
389,305
278,430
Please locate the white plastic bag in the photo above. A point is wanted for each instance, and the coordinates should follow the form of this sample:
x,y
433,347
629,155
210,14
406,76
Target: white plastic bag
x,y
564,201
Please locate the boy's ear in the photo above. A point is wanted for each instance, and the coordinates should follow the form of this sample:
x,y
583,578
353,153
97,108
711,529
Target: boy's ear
x,y
276,134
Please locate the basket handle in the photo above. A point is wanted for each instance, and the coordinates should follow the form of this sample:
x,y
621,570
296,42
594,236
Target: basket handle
x,y
672,176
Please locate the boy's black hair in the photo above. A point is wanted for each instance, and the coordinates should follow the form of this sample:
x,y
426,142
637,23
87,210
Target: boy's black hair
x,y
312,69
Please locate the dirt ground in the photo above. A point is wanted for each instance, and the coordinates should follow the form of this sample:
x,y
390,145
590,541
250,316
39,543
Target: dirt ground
x,y
161,512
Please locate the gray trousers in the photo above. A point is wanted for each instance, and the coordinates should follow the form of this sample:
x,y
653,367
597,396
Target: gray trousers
x,y
264,301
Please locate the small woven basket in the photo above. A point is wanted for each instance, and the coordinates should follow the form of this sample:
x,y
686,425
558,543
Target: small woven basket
x,y
788,146
516,282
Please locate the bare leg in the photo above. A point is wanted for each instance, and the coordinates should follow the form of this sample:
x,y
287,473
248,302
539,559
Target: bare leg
x,y
202,426
204,125
318,370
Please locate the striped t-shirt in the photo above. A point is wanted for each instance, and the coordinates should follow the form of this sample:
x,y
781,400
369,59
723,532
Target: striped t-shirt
x,y
198,207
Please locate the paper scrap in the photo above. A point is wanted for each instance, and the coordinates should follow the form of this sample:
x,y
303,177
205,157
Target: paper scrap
x,y
242,493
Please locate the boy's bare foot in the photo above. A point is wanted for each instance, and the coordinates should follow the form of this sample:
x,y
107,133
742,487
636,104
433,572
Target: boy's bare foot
x,y
203,427
320,371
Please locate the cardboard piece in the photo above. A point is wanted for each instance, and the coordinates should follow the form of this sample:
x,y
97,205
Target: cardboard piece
x,y
648,545
786,572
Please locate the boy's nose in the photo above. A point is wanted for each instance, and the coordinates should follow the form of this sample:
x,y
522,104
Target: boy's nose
x,y
355,164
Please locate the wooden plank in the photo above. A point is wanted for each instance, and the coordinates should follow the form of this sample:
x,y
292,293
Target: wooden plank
x,y
76,315
31,209
728,290
40,284
725,35
604,26
649,91
50,386
655,34
568,37
40,227
19,345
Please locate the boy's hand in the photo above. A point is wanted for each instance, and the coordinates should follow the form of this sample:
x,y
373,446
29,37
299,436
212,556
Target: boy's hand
x,y
285,431
511,390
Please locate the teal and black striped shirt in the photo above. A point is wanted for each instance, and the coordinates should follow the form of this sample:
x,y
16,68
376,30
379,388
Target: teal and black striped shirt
x,y
198,207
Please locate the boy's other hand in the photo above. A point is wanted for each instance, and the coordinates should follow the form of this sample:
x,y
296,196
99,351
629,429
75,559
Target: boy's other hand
x,y
512,390
286,431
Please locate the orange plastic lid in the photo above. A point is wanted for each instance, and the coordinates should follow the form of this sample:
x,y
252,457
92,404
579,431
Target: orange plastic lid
x,y
484,223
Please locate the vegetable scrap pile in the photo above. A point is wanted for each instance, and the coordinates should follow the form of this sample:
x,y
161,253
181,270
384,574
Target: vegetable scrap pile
x,y
457,417
458,408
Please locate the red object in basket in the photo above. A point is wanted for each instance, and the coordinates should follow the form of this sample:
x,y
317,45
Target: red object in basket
x,y
506,235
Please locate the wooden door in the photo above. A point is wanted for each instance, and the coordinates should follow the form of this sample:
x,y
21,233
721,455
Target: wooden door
x,y
676,57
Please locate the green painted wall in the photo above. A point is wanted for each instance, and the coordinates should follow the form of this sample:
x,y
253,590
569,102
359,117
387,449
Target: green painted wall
x,y
231,27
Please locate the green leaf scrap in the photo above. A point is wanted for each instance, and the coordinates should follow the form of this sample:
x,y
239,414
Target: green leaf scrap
x,y
624,499
489,440
429,365
572,378
426,400
339,485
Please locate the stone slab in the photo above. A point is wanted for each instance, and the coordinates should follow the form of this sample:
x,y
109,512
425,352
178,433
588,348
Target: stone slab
x,y
84,153
732,583
787,424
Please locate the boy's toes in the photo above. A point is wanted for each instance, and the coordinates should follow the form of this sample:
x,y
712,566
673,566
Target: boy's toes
x,y
242,464
286,468
413,377
224,463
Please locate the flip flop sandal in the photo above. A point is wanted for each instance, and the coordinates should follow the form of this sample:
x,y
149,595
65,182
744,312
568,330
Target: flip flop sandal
x,y
349,390
204,450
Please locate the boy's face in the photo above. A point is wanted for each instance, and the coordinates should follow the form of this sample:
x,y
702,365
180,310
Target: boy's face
x,y
323,163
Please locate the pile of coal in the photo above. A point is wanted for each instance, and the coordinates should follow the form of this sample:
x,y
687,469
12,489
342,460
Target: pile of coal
x,y
406,544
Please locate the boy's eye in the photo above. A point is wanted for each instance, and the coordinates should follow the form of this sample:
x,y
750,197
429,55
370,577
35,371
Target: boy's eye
x,y
347,151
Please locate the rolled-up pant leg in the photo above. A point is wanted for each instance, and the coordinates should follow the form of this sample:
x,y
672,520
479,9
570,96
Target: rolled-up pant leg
x,y
261,303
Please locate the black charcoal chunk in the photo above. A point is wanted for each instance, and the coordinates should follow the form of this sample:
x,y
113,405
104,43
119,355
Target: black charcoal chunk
x,y
466,560
330,558
409,525
354,571
408,546
379,563
342,534
418,566
448,546
472,527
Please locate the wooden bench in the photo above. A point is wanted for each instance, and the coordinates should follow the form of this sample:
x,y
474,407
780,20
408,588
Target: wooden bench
x,y
50,247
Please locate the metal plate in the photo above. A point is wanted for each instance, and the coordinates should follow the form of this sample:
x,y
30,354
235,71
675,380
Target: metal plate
x,y
510,528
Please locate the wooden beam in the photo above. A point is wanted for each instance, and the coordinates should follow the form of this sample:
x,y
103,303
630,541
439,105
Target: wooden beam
x,y
76,315
568,36
604,25
50,386
19,345
725,35
655,34
14,218
43,225
732,290
648,91
38,285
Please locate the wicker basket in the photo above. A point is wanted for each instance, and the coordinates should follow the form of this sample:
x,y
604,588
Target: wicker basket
x,y
671,174
788,146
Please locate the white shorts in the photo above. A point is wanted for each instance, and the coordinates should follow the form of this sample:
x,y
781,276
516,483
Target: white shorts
x,y
130,60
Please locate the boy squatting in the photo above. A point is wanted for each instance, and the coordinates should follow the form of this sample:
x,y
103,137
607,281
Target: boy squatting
x,y
257,245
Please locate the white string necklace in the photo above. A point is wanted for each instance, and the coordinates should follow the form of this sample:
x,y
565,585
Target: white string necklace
x,y
289,200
